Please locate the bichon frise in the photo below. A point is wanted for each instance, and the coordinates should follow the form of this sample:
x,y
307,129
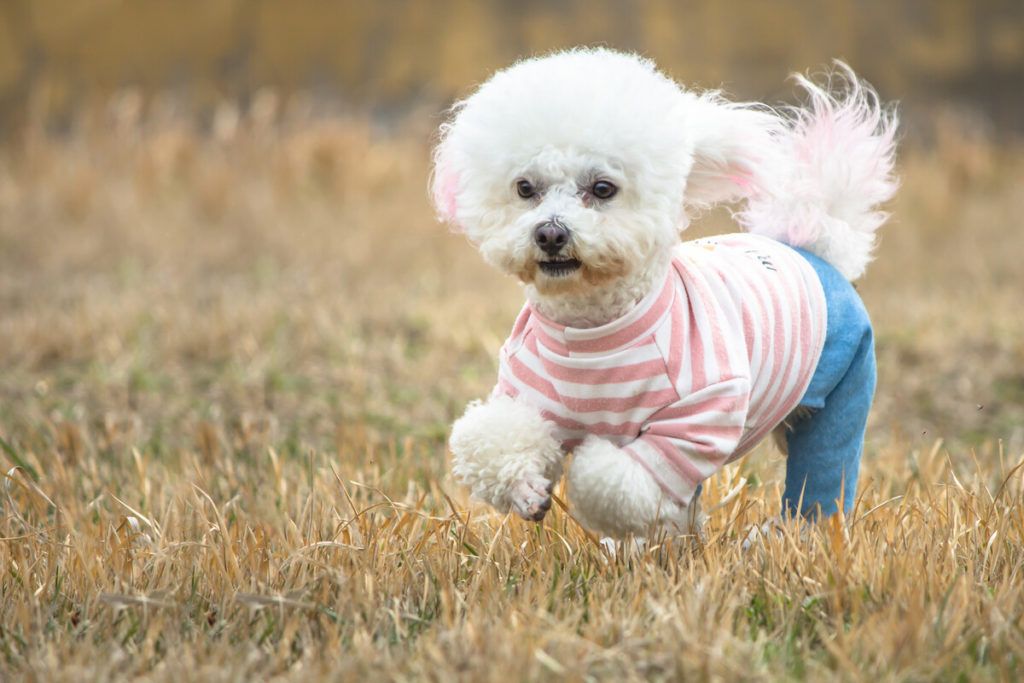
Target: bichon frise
x,y
655,362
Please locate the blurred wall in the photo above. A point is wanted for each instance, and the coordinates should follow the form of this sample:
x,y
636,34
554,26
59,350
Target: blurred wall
x,y
389,53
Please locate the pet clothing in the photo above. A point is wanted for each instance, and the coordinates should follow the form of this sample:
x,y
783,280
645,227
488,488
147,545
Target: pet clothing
x,y
699,371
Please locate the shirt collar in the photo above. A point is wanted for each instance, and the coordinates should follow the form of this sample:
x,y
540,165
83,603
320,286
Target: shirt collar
x,y
620,333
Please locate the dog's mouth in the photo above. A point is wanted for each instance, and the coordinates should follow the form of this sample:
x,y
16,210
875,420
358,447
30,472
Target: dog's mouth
x,y
559,267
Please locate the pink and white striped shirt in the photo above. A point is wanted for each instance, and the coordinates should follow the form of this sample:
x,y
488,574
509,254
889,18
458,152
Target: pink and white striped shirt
x,y
691,378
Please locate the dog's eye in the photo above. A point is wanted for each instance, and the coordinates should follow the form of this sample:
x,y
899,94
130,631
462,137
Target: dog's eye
x,y
602,189
525,189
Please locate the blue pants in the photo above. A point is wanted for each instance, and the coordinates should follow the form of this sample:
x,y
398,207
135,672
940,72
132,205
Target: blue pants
x,y
825,447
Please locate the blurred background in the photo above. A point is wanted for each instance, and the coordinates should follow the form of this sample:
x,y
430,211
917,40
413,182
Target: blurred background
x,y
391,54
215,236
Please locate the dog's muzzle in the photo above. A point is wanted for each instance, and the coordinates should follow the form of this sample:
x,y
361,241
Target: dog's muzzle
x,y
553,237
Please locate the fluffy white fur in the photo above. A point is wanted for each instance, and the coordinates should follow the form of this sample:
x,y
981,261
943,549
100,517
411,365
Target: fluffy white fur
x,y
809,176
507,455
621,496
839,153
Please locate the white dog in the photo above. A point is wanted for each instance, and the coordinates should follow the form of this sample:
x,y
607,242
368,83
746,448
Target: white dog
x,y
655,362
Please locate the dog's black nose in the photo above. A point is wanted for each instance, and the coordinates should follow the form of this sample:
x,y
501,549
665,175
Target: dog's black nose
x,y
551,236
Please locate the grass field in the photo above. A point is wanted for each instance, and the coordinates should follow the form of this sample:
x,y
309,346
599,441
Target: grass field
x,y
229,355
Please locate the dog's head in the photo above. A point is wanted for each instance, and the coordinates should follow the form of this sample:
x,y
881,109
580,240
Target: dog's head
x,y
576,169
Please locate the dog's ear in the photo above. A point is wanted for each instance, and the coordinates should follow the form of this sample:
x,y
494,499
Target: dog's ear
x,y
734,149
444,180
444,190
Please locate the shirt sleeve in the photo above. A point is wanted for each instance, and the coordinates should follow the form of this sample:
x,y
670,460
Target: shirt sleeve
x,y
686,442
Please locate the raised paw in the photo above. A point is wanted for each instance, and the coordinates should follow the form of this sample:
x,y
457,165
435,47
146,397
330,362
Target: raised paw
x,y
531,498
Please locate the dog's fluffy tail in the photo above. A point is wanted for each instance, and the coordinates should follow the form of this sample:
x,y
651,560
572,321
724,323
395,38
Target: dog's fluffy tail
x,y
835,169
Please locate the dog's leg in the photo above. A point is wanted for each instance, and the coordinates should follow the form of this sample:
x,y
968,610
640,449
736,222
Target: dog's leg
x,y
824,448
506,452
615,495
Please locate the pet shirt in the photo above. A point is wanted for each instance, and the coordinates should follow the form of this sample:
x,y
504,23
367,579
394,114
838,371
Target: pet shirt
x,y
695,374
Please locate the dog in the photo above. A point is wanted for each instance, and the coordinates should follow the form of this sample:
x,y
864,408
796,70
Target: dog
x,y
655,362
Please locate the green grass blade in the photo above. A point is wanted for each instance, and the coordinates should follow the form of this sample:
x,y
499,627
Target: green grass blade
x,y
18,461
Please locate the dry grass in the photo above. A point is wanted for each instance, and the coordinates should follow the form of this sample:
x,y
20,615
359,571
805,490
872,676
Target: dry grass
x,y
230,355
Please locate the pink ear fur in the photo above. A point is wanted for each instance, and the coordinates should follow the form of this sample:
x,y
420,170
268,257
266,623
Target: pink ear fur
x,y
445,177
444,189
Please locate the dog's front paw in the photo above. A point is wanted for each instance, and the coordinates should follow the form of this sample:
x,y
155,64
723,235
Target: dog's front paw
x,y
614,495
531,497
506,452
